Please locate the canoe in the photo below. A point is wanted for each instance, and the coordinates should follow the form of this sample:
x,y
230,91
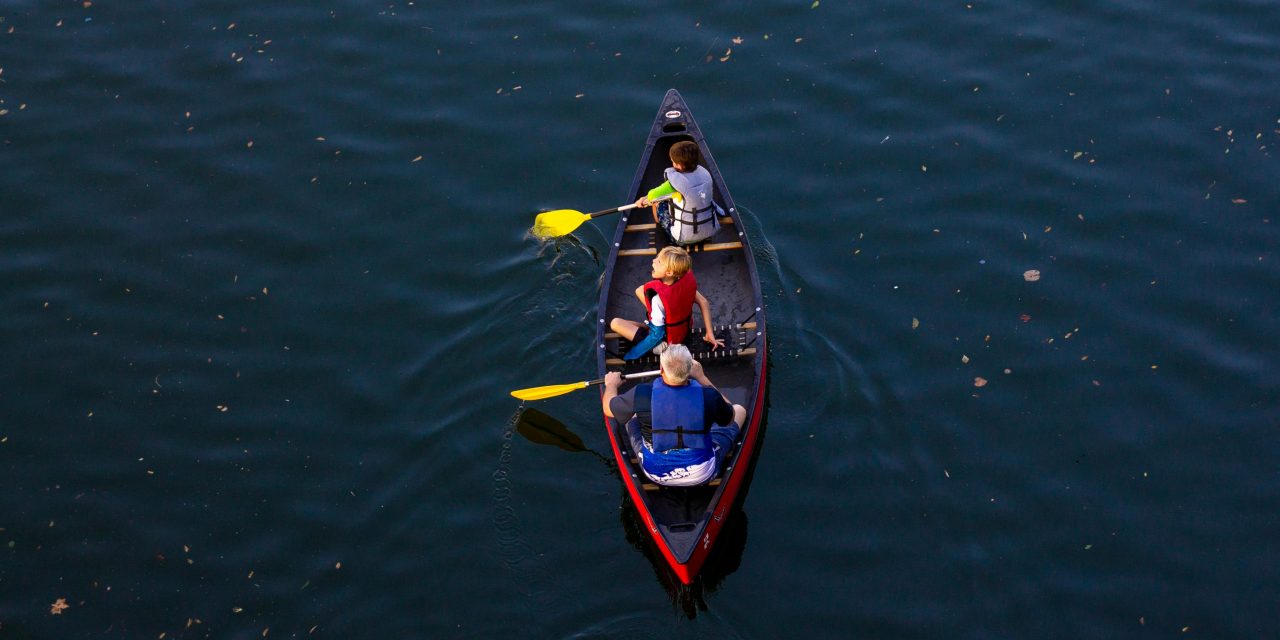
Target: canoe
x,y
684,522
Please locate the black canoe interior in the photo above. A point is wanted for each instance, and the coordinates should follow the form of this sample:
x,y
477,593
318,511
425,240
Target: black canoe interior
x,y
725,278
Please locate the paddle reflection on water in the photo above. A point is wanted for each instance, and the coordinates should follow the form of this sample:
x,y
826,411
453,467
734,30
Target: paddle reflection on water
x,y
540,428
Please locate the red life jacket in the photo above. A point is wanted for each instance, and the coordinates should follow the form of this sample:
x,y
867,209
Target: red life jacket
x,y
677,299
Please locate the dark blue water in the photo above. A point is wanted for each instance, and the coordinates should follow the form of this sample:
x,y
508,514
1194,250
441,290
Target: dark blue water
x,y
266,284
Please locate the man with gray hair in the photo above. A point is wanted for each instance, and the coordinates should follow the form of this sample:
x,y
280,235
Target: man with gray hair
x,y
679,425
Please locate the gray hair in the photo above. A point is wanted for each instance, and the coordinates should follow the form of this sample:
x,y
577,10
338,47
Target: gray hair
x,y
677,362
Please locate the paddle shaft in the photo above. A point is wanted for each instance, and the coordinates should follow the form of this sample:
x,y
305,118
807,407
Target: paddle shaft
x,y
606,212
630,376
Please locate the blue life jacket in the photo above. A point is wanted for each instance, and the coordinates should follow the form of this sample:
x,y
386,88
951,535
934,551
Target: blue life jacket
x,y
679,417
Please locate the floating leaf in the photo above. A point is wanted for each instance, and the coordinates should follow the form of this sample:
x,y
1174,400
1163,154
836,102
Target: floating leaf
x,y
915,323
1031,275
979,381
58,605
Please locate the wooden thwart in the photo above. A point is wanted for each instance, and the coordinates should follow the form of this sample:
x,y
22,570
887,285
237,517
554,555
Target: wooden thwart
x,y
719,246
631,228
638,252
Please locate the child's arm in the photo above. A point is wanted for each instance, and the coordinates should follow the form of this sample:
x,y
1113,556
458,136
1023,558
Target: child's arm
x,y
664,189
640,293
710,335
655,194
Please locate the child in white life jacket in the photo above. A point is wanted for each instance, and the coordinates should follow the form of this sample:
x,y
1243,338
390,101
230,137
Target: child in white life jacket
x,y
690,215
668,300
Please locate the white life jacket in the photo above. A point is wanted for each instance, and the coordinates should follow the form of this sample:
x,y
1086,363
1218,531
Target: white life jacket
x,y
694,215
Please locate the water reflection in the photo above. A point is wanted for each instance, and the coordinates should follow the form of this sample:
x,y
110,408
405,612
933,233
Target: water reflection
x,y
540,428
723,560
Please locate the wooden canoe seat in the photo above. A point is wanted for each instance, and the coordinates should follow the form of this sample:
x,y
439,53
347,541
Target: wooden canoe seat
x,y
700,356
697,333
649,486
738,339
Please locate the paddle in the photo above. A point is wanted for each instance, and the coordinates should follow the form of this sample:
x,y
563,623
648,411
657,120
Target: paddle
x,y
553,224
551,391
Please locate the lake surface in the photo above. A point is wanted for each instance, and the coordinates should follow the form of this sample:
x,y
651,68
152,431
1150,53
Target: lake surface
x,y
266,283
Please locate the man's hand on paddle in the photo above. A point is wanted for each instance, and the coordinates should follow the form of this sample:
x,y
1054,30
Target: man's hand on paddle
x,y
612,381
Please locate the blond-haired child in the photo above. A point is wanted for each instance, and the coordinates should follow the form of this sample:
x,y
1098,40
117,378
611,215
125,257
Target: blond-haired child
x,y
668,300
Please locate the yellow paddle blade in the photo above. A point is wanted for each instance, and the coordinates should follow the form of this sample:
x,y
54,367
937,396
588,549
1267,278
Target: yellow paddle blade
x,y
549,391
551,224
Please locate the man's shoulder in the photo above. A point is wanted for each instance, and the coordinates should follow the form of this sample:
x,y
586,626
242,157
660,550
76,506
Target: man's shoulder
x,y
626,402
712,397
629,395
